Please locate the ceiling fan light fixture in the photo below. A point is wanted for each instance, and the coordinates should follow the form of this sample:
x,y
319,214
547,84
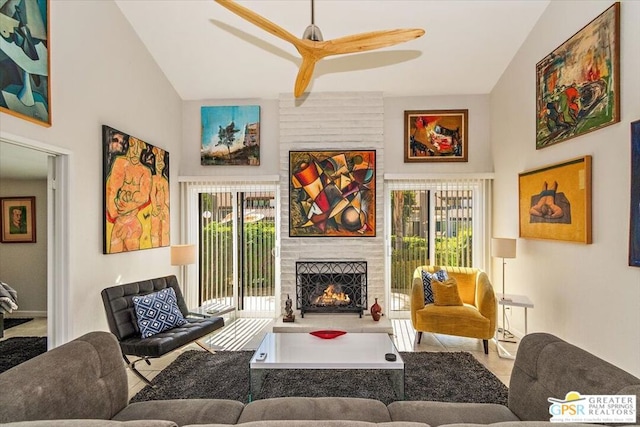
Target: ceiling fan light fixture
x,y
313,33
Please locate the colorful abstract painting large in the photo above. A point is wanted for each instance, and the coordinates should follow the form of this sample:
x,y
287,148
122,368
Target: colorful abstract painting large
x,y
578,84
136,193
24,60
332,193
634,234
230,135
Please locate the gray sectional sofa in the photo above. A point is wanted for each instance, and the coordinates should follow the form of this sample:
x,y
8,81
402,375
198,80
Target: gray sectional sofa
x,y
84,383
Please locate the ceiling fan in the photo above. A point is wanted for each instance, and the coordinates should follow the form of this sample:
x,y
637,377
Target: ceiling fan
x,y
311,46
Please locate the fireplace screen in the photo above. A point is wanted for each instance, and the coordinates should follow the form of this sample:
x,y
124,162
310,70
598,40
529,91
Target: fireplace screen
x,y
331,286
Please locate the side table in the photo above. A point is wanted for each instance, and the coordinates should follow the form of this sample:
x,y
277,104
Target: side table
x,y
512,300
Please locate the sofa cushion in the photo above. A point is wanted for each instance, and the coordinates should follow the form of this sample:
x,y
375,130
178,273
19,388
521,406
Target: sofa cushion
x,y
84,378
164,342
184,411
319,423
523,424
427,278
315,408
157,312
546,366
92,423
446,292
439,413
458,320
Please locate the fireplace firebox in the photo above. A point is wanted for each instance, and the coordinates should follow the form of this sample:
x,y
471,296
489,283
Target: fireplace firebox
x,y
331,286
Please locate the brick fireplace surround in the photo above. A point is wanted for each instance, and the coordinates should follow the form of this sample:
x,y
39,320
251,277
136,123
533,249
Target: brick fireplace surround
x,y
332,121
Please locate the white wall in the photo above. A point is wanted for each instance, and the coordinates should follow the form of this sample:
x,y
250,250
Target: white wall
x,y
586,294
102,74
24,265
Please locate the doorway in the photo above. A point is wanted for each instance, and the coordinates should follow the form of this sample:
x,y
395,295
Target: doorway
x,y
57,259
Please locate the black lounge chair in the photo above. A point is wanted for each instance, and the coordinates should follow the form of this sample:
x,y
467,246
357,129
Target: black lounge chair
x,y
118,305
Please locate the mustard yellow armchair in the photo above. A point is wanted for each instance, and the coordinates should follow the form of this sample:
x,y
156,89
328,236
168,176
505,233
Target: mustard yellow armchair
x,y
476,318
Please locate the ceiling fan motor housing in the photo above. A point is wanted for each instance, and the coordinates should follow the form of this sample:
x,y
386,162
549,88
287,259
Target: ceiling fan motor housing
x,y
313,33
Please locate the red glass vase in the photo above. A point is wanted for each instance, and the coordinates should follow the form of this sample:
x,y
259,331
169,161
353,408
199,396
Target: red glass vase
x,y
376,311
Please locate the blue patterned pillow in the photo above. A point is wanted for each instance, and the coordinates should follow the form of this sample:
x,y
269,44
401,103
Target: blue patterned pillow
x,y
440,276
157,312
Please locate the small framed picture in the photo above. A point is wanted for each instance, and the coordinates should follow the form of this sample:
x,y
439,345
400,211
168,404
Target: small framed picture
x,y
435,136
230,135
18,219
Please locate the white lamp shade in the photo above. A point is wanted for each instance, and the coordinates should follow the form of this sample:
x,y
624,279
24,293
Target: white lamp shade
x,y
503,248
183,254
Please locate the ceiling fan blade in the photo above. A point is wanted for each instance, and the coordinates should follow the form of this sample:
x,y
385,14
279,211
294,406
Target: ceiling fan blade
x,y
259,21
369,41
304,74
312,51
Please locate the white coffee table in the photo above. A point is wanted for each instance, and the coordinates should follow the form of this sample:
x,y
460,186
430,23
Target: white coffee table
x,y
305,351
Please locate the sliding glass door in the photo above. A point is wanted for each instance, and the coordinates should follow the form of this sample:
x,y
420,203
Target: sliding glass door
x,y
237,235
433,222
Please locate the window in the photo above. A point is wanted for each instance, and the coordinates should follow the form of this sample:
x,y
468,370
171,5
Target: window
x,y
433,222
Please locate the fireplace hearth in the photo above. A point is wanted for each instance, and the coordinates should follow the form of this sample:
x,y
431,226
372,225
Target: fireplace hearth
x,y
331,286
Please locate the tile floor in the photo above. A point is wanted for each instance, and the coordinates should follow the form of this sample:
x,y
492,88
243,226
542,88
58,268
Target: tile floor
x,y
35,328
250,337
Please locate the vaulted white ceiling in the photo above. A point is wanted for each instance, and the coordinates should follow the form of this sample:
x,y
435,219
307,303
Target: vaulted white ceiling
x,y
208,52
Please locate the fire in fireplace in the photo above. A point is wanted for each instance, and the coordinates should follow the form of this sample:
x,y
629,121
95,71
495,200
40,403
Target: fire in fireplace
x,y
331,286
332,295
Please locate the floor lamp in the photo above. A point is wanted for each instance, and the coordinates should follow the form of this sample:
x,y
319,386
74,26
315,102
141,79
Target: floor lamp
x,y
183,255
503,248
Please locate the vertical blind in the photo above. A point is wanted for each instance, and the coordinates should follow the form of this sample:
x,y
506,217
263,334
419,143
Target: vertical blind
x,y
437,221
458,216
235,225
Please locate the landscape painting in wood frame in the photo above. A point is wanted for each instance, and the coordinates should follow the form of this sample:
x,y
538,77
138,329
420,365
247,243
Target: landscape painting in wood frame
x,y
230,135
435,136
634,229
25,89
135,193
578,84
332,193
555,201
18,219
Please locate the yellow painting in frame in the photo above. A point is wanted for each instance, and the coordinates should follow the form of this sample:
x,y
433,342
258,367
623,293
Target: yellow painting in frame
x,y
555,201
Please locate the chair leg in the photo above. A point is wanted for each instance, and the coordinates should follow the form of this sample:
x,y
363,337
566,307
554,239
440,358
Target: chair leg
x,y
485,343
419,336
132,366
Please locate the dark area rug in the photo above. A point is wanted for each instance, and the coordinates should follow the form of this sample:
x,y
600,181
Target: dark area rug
x,y
14,351
14,321
445,377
